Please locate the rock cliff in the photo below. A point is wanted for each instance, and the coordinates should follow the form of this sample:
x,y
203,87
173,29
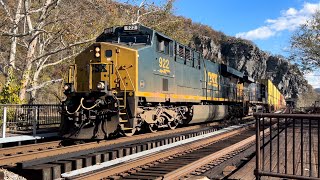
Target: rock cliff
x,y
245,56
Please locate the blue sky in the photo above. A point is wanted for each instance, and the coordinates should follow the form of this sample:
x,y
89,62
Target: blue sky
x,y
268,23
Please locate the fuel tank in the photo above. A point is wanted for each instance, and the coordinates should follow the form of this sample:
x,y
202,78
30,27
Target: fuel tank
x,y
203,113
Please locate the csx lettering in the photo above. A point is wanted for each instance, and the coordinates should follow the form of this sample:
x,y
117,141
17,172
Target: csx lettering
x,y
212,79
164,63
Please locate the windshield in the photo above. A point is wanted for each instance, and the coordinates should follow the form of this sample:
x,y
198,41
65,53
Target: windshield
x,y
129,39
134,39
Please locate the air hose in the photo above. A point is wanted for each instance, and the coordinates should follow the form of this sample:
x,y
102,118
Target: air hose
x,y
81,105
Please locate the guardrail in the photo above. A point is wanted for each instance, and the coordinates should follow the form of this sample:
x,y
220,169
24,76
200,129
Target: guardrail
x,y
291,150
23,118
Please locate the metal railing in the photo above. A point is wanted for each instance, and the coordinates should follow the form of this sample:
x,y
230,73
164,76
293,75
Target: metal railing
x,y
23,118
290,149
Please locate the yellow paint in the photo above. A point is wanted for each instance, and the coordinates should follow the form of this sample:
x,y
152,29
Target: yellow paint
x,y
124,64
274,94
164,65
240,90
164,71
177,96
212,79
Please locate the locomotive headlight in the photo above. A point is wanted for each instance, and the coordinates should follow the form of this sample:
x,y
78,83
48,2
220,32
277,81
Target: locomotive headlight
x,y
97,52
100,85
66,87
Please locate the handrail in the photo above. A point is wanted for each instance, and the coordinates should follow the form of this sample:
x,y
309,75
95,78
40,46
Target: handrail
x,y
73,75
70,73
125,89
126,69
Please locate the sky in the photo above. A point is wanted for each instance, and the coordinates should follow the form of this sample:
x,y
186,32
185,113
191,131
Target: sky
x,y
268,23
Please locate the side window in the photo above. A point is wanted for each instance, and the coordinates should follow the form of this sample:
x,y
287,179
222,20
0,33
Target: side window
x,y
171,50
188,58
197,61
180,50
180,54
188,54
163,45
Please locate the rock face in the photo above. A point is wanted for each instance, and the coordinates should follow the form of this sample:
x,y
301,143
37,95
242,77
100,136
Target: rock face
x,y
248,58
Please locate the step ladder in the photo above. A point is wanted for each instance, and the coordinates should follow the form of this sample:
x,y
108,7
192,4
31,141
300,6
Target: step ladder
x,y
123,114
122,101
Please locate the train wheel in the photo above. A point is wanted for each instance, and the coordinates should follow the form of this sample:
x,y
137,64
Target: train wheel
x,y
153,127
172,124
129,132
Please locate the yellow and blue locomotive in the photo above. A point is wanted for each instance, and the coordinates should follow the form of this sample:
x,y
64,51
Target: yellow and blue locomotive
x,y
134,77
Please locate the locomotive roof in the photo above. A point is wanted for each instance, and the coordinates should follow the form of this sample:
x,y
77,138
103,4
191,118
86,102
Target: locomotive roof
x,y
140,29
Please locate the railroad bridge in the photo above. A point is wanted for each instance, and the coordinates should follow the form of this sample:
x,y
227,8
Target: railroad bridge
x,y
281,145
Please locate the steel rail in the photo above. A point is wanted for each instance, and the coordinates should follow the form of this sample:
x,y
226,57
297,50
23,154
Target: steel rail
x,y
28,148
300,116
59,153
185,170
150,158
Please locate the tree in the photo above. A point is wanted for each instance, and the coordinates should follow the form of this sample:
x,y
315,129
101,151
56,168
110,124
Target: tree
x,y
305,44
41,34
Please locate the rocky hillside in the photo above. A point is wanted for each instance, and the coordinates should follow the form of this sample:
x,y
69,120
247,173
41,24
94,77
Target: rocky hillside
x,y
246,57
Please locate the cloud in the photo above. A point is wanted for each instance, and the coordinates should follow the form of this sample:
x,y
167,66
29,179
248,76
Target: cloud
x,y
313,78
290,20
263,32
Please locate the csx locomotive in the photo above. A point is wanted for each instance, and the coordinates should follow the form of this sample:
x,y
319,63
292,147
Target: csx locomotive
x,y
134,78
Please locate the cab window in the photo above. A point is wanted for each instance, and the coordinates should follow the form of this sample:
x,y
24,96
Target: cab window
x,y
189,59
164,45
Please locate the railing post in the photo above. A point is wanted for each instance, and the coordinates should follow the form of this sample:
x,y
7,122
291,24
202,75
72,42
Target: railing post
x,y
4,123
257,170
37,116
34,124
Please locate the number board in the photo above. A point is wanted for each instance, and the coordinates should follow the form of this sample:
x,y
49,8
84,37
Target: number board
x,y
212,79
164,65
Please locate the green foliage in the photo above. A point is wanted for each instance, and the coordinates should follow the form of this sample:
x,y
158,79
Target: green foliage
x,y
10,94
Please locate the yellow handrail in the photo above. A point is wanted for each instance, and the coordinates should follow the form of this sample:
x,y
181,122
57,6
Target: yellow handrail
x,y
134,89
72,75
124,86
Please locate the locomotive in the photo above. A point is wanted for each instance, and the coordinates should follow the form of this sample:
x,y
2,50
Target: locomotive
x,y
135,78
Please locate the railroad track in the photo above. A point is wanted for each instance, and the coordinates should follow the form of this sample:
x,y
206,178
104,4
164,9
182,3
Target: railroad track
x,y
180,162
57,159
52,157
11,151
22,150
175,162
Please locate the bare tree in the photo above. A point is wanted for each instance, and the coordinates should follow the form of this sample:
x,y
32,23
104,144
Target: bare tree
x,y
39,28
305,44
12,31
46,33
